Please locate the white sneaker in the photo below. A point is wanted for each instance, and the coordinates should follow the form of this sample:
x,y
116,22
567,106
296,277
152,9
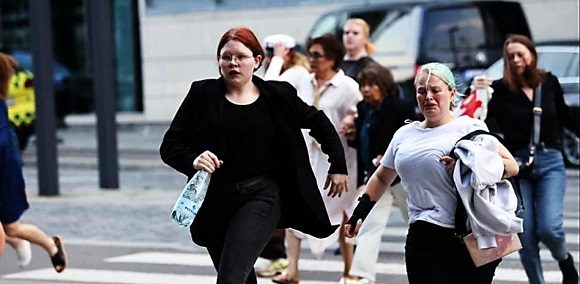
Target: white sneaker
x,y
23,253
275,267
261,263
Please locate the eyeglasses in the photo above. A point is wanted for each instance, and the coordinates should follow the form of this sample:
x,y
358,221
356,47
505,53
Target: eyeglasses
x,y
314,55
226,58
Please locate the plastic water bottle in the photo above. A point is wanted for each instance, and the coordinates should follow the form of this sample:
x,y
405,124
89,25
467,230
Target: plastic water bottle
x,y
190,200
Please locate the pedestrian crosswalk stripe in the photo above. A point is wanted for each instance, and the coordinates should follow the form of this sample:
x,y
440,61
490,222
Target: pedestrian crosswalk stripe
x,y
572,223
504,274
81,275
399,247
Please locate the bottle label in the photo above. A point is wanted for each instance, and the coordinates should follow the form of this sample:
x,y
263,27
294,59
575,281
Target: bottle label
x,y
187,205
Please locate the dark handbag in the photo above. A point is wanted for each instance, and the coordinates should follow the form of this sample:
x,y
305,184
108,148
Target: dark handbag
x,y
525,159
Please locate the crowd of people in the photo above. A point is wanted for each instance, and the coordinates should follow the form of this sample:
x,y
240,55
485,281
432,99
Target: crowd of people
x,y
294,148
319,146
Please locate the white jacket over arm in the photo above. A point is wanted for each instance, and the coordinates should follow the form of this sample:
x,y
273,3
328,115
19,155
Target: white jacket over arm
x,y
490,201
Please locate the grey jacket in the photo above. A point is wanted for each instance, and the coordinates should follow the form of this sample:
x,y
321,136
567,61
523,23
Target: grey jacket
x,y
490,201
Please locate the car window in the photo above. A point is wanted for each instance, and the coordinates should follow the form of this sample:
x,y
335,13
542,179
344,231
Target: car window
x,y
393,36
495,71
561,64
454,29
326,24
373,18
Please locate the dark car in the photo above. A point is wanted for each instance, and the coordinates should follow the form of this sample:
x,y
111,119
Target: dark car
x,y
562,59
466,35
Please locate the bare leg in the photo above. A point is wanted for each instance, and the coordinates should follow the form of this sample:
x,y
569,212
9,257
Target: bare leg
x,y
22,248
293,252
13,242
31,233
2,240
346,249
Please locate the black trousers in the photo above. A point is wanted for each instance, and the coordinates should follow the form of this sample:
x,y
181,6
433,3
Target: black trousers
x,y
254,209
433,254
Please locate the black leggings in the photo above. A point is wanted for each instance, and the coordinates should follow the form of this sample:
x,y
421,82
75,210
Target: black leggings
x,y
255,212
433,254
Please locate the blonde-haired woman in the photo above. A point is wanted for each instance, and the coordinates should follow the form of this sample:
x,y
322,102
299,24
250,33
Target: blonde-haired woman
x,y
355,38
419,155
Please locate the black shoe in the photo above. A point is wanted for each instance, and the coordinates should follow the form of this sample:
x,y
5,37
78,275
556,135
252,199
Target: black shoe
x,y
569,272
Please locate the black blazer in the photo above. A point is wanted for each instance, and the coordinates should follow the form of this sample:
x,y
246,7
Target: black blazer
x,y
388,119
198,125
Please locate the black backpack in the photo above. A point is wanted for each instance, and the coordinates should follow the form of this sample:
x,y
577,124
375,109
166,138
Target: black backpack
x,y
460,213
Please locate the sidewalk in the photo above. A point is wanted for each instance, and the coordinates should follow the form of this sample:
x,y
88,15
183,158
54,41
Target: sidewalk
x,y
137,212
138,145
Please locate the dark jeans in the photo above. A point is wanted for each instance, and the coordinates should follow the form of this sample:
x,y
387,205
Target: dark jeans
x,y
433,254
254,213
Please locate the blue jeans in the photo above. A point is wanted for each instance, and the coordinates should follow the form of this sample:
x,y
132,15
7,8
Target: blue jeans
x,y
543,195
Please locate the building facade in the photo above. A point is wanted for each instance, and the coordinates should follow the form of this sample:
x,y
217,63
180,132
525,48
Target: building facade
x,y
164,45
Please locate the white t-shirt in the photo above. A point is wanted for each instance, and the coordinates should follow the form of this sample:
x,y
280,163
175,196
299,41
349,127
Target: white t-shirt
x,y
414,153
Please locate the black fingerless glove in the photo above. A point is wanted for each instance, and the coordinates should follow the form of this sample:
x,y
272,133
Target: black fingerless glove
x,y
361,211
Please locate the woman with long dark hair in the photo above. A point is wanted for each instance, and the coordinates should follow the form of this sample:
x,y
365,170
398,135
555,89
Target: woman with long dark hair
x,y
510,112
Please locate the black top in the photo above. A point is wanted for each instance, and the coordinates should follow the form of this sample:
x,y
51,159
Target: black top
x,y
389,117
249,134
352,67
511,114
199,125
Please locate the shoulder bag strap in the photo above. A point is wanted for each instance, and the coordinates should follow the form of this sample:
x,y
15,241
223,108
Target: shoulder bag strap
x,y
535,137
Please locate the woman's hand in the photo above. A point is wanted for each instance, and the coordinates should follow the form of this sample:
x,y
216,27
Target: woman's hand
x,y
350,232
449,163
281,50
481,82
348,127
207,161
377,160
337,183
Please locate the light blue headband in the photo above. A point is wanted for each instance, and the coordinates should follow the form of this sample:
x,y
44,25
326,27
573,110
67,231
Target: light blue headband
x,y
440,70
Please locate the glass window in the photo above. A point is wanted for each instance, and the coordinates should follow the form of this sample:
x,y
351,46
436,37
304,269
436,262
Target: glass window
x,y
454,29
326,24
126,44
561,64
179,6
393,35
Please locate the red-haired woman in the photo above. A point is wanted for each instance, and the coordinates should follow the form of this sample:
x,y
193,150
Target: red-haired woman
x,y
247,133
